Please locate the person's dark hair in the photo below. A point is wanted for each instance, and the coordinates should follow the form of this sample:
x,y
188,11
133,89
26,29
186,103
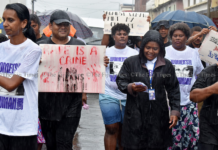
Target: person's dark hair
x,y
35,19
196,28
23,13
190,68
182,27
152,36
119,27
3,38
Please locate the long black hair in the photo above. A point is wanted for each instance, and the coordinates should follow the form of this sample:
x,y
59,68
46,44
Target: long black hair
x,y
3,38
23,13
152,36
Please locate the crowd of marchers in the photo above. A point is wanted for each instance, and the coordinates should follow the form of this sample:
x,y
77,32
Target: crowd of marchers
x,y
171,105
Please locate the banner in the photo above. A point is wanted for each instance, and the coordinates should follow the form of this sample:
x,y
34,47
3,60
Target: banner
x,y
214,3
137,22
68,68
215,21
209,48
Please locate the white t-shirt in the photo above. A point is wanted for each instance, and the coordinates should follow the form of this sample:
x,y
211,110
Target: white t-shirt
x,y
150,66
117,57
19,113
187,65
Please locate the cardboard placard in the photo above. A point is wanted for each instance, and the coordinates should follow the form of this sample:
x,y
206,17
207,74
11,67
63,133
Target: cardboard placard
x,y
209,48
137,22
69,68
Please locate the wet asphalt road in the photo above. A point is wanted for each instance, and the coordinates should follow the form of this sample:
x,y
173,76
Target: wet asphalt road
x,y
90,133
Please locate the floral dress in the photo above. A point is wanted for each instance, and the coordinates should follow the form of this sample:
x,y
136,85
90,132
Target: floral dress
x,y
186,132
40,138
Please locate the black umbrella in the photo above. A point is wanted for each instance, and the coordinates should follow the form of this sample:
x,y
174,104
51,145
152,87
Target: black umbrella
x,y
82,29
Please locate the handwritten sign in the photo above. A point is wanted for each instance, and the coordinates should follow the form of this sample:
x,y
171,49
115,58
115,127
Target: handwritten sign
x,y
68,68
137,22
209,48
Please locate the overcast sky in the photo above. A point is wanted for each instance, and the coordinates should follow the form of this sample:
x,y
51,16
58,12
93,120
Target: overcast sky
x,y
83,8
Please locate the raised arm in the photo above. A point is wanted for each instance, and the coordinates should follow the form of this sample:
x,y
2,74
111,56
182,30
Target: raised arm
x,y
192,38
105,40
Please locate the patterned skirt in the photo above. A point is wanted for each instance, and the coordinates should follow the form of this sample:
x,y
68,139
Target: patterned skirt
x,y
186,132
40,138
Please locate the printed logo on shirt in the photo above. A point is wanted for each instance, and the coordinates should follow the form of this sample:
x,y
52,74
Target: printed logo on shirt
x,y
184,71
7,70
12,103
115,65
7,101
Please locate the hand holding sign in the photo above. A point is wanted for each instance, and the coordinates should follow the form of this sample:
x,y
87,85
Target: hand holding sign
x,y
204,31
212,28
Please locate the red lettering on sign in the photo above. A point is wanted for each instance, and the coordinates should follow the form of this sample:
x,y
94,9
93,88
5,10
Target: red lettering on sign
x,y
68,61
66,52
61,59
94,49
76,60
84,60
80,51
59,48
77,50
64,49
72,60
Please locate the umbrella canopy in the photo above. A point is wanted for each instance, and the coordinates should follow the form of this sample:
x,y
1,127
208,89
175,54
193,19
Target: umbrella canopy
x,y
1,24
82,29
191,18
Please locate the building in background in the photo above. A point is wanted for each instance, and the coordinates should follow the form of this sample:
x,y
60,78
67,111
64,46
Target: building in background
x,y
200,6
140,5
97,26
156,7
127,7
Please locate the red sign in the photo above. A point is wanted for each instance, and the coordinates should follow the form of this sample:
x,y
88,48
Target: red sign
x,y
215,20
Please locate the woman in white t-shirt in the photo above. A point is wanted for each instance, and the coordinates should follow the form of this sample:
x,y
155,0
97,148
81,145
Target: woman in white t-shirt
x,y
113,101
187,65
19,61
